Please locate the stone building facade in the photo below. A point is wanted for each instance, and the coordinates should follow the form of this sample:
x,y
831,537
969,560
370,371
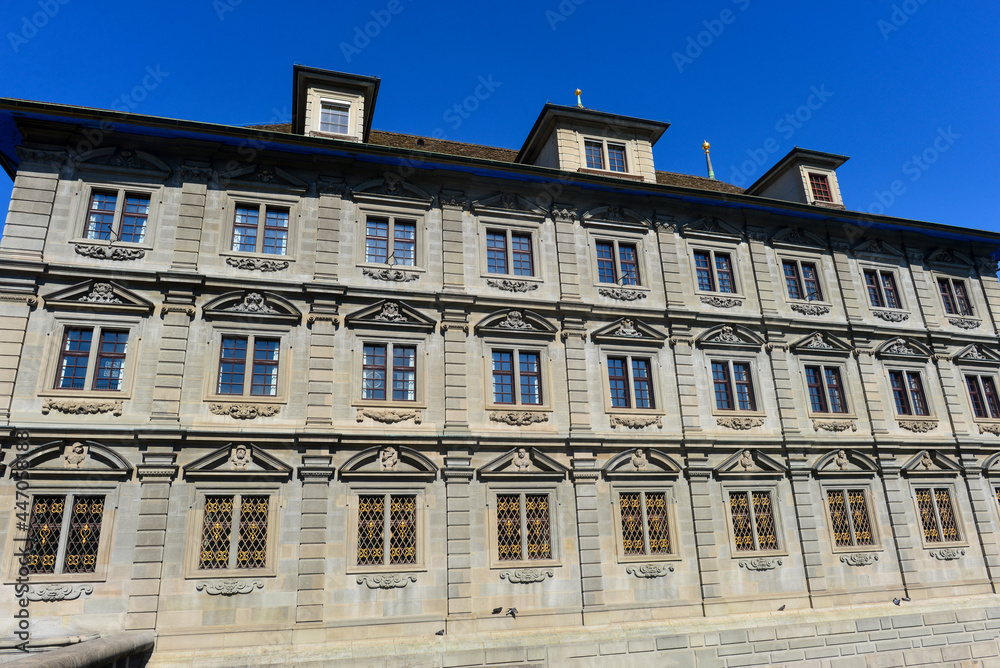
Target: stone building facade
x,y
323,393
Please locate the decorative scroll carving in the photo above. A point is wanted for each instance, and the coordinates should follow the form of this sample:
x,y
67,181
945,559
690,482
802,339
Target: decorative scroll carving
x,y
511,286
621,294
527,575
59,592
395,275
859,558
518,418
721,302
947,554
387,580
101,293
390,313
388,458
810,309
964,323
254,264
515,320
760,564
987,265
990,429
649,571
521,461
899,347
245,411
110,252
636,421
253,302
193,173
564,214
974,354
452,198
740,423
30,300
388,416
817,342
639,460
627,329
918,426
727,335
239,457
75,455
176,308
891,316
229,587
834,425
82,407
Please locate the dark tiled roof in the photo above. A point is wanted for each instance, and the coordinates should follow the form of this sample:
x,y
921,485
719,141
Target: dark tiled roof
x,y
413,142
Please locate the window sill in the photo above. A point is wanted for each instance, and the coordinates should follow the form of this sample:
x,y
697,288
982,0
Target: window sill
x,y
521,408
758,554
378,403
246,399
648,558
608,172
525,563
635,411
832,416
391,568
512,277
857,548
231,573
123,395
59,578
334,135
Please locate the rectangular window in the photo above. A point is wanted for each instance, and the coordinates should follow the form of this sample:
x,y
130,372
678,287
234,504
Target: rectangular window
x,y
233,365
246,547
714,271
517,261
594,151
404,373
616,158
645,529
265,368
75,359
801,280
378,231
733,386
617,262
387,529
630,392
118,216
64,533
849,518
983,395
523,529
937,515
374,371
334,118
525,381
955,297
826,391
908,393
820,187
753,521
247,234
111,361
600,154
882,292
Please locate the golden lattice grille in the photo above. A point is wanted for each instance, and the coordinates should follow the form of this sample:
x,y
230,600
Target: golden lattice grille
x,y
925,504
753,521
739,509
863,534
849,517
536,507
949,527
509,527
252,549
838,518
767,538
937,515
371,530
403,530
632,536
84,534
656,519
44,528
215,535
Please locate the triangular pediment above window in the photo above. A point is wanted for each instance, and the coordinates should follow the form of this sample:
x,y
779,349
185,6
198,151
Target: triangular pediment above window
x,y
642,463
388,463
712,227
508,204
392,188
523,463
977,354
97,295
946,256
243,304
877,248
730,336
931,462
238,461
819,343
75,460
845,462
750,463
114,160
512,322
618,215
797,237
629,330
390,314
903,348
261,177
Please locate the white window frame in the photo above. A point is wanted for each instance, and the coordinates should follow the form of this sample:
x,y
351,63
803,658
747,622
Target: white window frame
x,y
343,105
606,166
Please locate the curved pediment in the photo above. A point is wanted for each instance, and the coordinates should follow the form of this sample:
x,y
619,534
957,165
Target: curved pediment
x,y
642,463
115,160
903,348
712,227
629,330
750,463
392,187
615,214
931,462
512,322
521,463
992,464
845,462
730,336
263,177
507,203
76,460
388,463
797,237
242,304
390,314
819,343
97,295
243,461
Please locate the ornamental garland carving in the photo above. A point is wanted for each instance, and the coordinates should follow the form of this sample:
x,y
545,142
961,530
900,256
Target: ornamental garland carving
x,y
760,564
817,342
82,407
947,554
388,416
891,316
527,575
740,423
101,293
59,592
245,411
899,347
859,559
990,429
254,264
621,294
390,313
636,421
918,426
834,425
649,571
511,286
627,329
727,335
387,580
518,418
721,302
229,587
515,320
810,309
111,252
964,323
564,214
394,275
253,302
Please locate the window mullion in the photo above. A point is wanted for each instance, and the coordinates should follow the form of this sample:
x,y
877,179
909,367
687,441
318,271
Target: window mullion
x,y
387,524
234,529
522,502
753,520
515,369
67,519
937,514
95,351
850,516
645,522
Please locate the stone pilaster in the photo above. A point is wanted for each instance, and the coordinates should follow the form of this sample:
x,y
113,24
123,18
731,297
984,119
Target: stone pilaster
x,y
871,376
767,292
704,511
578,381
984,502
928,296
901,519
585,475
191,218
155,475
328,222
455,328
458,474
31,203
687,386
789,399
842,262
315,473
674,281
172,346
14,311
566,220
319,407
955,395
987,270
453,240
808,510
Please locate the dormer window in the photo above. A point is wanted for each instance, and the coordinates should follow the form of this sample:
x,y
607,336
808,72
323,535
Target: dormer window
x,y
605,155
820,187
334,118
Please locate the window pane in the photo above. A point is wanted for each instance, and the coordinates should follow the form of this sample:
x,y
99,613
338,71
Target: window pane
x,y
232,364
371,530
949,528
889,290
84,534
252,549
703,267
111,361
536,510
404,373
594,152
616,157
496,252
944,286
874,292
44,528
744,387
508,527
276,231
917,393
723,390
101,217
839,522
503,377
835,391
520,245
811,280
928,520
863,534
899,395
642,383
975,396
619,382
767,538
629,264
606,263
739,510
530,378
265,368
377,240
404,250
373,373
962,303
134,218
334,118
724,272
817,402
820,188
792,282
656,519
631,514
403,530
74,358
216,532
990,392
245,229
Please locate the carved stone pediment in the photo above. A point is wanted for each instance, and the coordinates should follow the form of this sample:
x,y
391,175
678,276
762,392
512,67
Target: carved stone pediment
x,y
750,462
845,461
874,247
72,459
390,314
240,461
730,336
116,160
513,322
797,237
506,204
523,462
97,295
630,331
393,187
930,462
947,256
244,304
902,347
821,343
616,214
263,177
388,462
712,227
644,463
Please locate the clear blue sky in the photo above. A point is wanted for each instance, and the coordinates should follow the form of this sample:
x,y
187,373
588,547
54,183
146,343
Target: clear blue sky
x,y
893,77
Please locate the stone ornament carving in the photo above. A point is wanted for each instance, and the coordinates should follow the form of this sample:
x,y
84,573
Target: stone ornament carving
x,y
82,407
947,554
388,416
19,299
110,252
388,458
101,293
229,587
127,158
746,460
515,320
390,313
59,592
245,411
75,455
760,564
859,558
891,316
899,347
810,309
841,460
917,426
521,461
527,575
511,286
564,214
721,302
518,418
990,429
987,265
974,354
253,302
649,571
331,186
394,275
193,173
727,335
166,309
452,198
740,423
239,457
834,425
639,460
817,342
926,461
254,264
964,323
636,421
56,158
621,294
386,580
627,329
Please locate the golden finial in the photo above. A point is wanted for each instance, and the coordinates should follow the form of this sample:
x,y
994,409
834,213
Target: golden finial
x,y
579,102
706,146
708,159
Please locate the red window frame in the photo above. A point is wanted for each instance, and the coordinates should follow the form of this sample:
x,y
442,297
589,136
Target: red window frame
x,y
820,185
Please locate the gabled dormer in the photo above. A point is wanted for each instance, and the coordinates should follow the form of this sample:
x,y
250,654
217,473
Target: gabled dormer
x,y
333,104
577,139
805,176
